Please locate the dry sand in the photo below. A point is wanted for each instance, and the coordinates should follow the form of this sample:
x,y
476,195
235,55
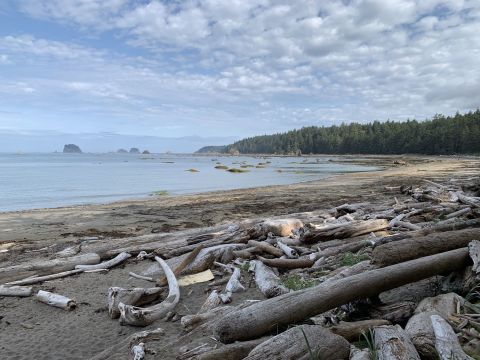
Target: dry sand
x,y
31,330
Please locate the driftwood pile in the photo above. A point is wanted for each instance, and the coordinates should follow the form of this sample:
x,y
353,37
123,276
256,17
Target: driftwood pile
x,y
359,281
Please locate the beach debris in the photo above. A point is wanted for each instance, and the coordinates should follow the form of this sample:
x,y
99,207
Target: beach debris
x,y
267,281
233,285
392,342
56,300
106,264
135,296
20,291
200,277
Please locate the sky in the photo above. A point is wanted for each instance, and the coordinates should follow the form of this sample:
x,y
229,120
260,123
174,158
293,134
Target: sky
x,y
236,68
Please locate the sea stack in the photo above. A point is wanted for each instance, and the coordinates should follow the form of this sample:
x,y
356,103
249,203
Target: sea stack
x,y
134,151
71,149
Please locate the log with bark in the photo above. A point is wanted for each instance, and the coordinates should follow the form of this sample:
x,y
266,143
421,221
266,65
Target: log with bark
x,y
393,343
262,317
56,300
419,329
266,247
20,291
408,249
347,230
136,316
302,342
235,351
267,281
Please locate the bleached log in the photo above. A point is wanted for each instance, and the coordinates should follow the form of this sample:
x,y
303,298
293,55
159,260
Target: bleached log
x,y
38,279
420,330
187,261
189,322
357,354
56,300
69,251
259,318
474,252
278,227
235,351
287,250
267,281
443,304
246,253
138,351
468,200
446,342
45,267
406,225
352,331
458,213
106,264
20,291
358,268
232,286
266,247
141,277
295,343
407,249
287,263
213,300
352,229
135,296
392,343
136,316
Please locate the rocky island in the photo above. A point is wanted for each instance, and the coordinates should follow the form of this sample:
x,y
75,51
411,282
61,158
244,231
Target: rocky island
x,y
72,149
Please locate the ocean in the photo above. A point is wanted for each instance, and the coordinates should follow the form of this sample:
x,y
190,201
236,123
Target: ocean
x,y
29,181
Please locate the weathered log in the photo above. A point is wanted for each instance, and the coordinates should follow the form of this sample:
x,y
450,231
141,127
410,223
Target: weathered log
x,y
235,351
138,351
21,291
180,267
45,267
420,330
190,322
446,341
474,252
37,279
137,316
357,354
106,264
395,313
232,286
56,300
301,342
352,331
408,249
267,281
354,228
266,247
136,296
141,277
444,304
392,343
278,227
351,270
468,200
259,318
213,300
458,213
287,263
287,250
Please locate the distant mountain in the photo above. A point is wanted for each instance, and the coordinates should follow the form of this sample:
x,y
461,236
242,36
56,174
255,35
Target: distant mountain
x,y
211,149
49,141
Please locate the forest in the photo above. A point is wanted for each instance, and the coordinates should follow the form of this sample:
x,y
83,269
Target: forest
x,y
441,135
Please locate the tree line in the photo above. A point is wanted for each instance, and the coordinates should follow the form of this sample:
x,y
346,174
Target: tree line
x,y
441,135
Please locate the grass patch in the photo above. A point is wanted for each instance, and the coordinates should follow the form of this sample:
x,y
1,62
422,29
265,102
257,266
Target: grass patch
x,y
296,282
221,167
159,193
349,259
235,170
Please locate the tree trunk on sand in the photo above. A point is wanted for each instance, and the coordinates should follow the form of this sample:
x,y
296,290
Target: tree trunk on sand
x,y
419,329
409,249
266,280
352,331
262,317
235,351
136,297
347,230
45,267
21,291
56,300
393,343
446,341
297,343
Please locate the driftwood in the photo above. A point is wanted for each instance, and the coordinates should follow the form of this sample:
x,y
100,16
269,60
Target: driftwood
x,y
446,342
106,264
474,252
45,267
393,343
56,300
37,279
266,247
287,250
213,300
21,291
352,331
295,344
141,277
419,329
235,351
233,285
278,227
287,263
136,316
190,322
409,249
267,281
178,270
444,304
358,268
136,296
259,318
347,230
138,351
357,354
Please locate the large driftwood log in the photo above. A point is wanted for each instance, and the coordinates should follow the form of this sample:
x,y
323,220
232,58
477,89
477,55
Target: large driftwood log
x,y
235,351
297,343
56,300
419,329
392,343
352,331
259,318
136,316
444,304
136,296
266,247
446,341
351,229
190,322
21,291
358,268
45,267
287,263
278,227
106,264
409,249
185,262
267,281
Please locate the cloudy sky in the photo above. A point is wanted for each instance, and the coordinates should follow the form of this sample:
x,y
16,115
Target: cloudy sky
x,y
232,68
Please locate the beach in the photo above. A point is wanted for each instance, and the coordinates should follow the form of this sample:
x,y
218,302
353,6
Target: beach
x,y
29,329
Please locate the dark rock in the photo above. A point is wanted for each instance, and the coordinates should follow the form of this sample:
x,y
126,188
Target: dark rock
x,y
146,152
134,151
122,151
72,149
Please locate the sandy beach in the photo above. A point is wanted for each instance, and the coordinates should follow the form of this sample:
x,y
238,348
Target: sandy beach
x,y
31,330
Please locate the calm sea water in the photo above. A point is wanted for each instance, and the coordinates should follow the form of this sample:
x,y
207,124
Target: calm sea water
x,y
30,181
